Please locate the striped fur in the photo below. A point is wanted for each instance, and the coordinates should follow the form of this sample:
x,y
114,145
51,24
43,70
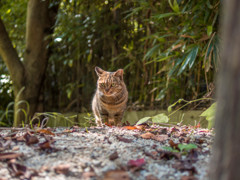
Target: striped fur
x,y
110,99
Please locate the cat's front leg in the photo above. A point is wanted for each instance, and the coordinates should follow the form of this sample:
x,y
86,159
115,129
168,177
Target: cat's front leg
x,y
118,119
98,122
98,119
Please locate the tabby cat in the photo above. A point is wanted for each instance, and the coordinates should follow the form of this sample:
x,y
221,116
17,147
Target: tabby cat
x,y
110,99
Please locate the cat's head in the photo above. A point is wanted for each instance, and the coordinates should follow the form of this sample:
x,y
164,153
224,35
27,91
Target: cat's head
x,y
110,83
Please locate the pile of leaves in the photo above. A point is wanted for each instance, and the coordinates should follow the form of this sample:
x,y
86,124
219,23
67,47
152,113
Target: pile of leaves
x,y
129,152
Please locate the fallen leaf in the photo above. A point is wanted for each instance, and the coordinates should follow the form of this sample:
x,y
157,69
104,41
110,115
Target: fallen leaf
x,y
124,139
45,145
116,175
113,156
173,145
17,169
159,138
151,177
148,135
45,131
199,141
197,126
30,139
141,127
9,155
88,175
62,168
15,148
185,166
68,130
169,155
109,125
136,163
130,127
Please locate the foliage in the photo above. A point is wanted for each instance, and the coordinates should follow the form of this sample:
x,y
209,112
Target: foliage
x,y
163,118
160,118
169,50
165,48
210,115
181,147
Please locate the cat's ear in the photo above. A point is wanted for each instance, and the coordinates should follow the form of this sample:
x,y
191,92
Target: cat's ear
x,y
119,73
99,71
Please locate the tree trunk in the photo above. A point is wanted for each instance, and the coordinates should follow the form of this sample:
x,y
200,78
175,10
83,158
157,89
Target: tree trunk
x,y
225,164
29,78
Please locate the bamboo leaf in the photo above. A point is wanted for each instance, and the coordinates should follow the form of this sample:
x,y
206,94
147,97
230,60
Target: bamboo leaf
x,y
193,53
151,52
160,16
189,60
172,71
174,6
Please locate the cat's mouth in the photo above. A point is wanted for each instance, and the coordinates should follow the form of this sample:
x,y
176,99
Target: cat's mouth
x,y
108,94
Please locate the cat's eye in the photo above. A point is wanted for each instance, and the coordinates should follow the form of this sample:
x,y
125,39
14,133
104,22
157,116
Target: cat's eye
x,y
113,84
102,85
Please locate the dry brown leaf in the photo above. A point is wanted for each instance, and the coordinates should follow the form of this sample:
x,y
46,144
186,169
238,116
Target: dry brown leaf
x,y
148,135
151,177
62,168
116,175
113,156
130,127
67,130
173,145
45,145
159,138
124,139
88,175
10,155
45,131
15,148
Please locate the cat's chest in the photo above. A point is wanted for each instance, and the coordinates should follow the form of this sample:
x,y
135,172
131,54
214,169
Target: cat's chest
x,y
112,106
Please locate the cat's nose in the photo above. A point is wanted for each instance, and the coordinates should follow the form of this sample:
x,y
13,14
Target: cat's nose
x,y
107,89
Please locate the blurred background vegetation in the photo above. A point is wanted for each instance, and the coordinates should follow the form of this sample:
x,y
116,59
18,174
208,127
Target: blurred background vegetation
x,y
168,50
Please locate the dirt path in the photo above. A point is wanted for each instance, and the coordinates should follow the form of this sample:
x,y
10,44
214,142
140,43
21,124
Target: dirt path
x,y
105,153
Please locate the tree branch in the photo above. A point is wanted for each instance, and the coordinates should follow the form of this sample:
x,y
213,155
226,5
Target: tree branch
x,y
10,58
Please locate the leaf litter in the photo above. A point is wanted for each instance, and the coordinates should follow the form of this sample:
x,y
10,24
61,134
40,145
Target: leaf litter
x,y
132,152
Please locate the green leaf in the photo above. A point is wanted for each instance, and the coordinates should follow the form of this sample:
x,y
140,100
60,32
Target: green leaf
x,y
178,61
209,114
167,148
161,94
187,147
160,16
160,118
189,60
152,51
174,6
209,30
193,53
143,120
